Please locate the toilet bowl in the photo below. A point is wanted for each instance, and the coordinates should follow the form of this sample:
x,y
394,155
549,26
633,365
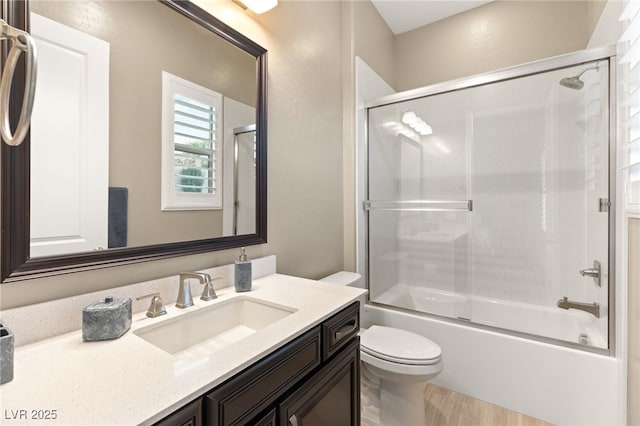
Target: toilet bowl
x,y
395,367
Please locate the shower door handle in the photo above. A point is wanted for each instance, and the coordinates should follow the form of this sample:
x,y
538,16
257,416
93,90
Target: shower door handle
x,y
594,272
419,205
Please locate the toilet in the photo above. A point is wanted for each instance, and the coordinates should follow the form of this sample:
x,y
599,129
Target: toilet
x,y
395,367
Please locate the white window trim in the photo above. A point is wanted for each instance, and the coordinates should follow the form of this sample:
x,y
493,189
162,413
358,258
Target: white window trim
x,y
170,199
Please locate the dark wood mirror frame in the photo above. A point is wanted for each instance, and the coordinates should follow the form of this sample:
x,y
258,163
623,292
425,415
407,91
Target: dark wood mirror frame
x,y
16,264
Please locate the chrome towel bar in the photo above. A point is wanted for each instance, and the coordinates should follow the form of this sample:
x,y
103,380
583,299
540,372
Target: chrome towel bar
x,y
21,41
420,205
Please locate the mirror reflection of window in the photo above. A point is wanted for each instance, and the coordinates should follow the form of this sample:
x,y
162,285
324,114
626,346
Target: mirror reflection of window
x,y
191,124
195,146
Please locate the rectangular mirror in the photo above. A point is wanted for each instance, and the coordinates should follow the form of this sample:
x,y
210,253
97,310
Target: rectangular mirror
x,y
148,138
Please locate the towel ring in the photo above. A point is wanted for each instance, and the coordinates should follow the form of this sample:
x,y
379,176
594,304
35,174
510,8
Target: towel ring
x,y
21,41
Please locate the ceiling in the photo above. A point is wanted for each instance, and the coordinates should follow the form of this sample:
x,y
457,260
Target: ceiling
x,y
403,15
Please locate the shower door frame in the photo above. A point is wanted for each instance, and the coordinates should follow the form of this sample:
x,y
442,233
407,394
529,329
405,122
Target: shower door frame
x,y
510,73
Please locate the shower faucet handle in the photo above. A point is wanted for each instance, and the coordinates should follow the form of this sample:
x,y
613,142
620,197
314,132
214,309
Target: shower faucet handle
x,y
595,272
590,272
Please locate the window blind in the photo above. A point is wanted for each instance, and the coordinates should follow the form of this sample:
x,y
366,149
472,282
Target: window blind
x,y
195,146
630,103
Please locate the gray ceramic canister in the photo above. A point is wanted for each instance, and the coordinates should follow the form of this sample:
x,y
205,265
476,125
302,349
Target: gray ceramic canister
x,y
106,320
6,354
243,273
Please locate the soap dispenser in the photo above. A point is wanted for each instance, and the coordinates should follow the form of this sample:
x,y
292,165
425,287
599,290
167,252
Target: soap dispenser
x,y
243,273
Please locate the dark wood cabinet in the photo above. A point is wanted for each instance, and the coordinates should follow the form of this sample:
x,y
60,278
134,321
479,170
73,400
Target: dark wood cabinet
x,y
313,381
331,397
338,330
247,394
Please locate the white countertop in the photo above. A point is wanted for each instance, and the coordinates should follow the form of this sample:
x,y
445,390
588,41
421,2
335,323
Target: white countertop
x,y
129,381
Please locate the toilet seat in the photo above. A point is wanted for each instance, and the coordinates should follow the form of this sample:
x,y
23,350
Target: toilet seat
x,y
399,346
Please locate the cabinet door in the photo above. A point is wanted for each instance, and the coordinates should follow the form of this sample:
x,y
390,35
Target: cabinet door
x,y
189,415
254,390
331,397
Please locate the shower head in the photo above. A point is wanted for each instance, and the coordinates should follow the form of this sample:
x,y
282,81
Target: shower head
x,y
575,82
572,83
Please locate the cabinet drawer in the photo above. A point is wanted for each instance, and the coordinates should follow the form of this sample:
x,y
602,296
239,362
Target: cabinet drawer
x,y
339,329
250,392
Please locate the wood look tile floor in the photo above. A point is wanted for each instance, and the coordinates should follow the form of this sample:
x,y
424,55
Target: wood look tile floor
x,y
448,408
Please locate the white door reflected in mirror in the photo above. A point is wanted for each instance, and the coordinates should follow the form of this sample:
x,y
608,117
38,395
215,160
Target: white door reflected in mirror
x,y
69,141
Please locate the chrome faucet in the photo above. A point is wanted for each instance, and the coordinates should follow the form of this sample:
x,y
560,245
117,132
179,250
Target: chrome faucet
x,y
184,291
592,308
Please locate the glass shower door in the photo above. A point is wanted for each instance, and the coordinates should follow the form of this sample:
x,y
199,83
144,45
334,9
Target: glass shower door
x,y
490,204
419,210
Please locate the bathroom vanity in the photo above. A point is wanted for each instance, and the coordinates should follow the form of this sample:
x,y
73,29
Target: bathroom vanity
x,y
317,376
302,364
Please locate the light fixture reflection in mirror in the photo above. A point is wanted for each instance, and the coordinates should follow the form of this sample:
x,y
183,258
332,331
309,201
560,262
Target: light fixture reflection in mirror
x,y
412,120
257,6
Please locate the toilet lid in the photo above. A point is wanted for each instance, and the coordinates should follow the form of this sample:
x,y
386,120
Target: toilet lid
x,y
399,346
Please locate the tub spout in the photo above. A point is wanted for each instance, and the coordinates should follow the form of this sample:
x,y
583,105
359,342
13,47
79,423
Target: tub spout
x,y
592,308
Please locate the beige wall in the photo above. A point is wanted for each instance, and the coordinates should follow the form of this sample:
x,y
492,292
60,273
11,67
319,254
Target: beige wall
x,y
493,36
594,12
135,99
373,41
305,135
633,363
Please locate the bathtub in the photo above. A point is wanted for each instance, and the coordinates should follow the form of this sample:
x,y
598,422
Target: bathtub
x,y
572,326
557,384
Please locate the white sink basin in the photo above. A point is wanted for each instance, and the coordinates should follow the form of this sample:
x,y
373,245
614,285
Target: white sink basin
x,y
213,328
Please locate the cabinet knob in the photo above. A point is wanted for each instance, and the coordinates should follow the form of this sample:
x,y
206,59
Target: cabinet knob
x,y
293,420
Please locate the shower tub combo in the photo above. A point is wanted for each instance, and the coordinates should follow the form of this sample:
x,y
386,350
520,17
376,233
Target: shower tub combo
x,y
490,230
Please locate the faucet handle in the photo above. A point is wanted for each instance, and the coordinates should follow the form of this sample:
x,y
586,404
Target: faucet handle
x,y
209,293
156,308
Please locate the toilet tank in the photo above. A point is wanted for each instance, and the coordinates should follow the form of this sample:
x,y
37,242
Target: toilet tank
x,y
352,279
